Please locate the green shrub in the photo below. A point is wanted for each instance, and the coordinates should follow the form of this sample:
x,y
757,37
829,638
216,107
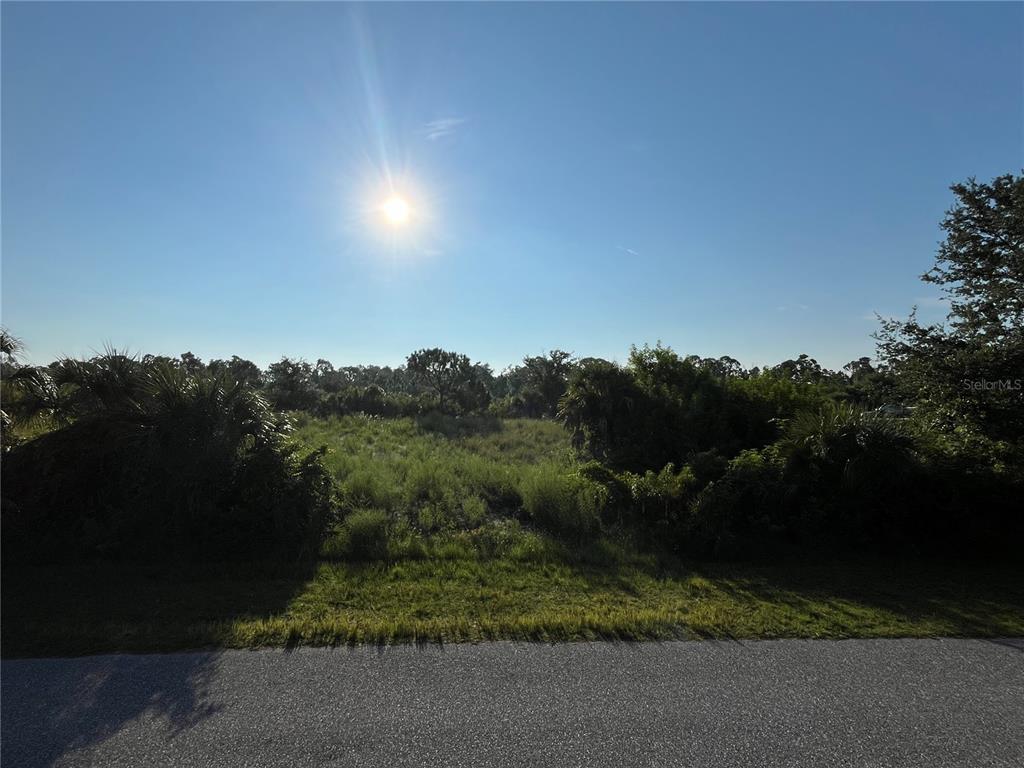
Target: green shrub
x,y
474,511
405,542
368,487
745,513
158,463
863,474
432,518
562,504
659,499
662,408
531,547
492,482
429,482
364,534
496,539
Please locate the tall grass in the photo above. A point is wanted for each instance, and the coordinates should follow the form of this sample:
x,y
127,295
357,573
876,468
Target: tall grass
x,y
455,487
566,505
397,465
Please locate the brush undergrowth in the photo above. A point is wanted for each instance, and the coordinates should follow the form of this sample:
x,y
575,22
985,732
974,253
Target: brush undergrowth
x,y
461,531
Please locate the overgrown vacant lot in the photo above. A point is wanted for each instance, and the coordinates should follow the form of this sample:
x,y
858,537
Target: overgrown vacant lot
x,y
468,530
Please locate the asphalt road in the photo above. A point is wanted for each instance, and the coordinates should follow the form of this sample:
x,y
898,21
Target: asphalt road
x,y
771,703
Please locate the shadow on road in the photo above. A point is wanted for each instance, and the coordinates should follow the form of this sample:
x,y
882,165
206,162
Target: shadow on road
x,y
55,706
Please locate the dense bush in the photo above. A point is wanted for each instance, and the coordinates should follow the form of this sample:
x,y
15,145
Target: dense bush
x,y
845,479
563,504
750,510
658,501
155,462
663,409
371,400
363,535
607,414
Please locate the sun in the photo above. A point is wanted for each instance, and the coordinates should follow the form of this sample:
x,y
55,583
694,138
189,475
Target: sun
x,y
396,211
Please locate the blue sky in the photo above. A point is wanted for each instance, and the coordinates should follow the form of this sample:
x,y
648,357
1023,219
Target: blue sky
x,y
751,180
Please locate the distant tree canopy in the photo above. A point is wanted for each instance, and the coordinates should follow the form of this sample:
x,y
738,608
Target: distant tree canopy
x,y
449,381
238,370
289,384
535,387
456,382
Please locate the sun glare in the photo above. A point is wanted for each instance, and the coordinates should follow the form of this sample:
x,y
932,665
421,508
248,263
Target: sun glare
x,y
396,211
396,216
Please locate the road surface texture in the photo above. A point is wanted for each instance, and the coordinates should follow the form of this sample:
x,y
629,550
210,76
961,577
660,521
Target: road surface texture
x,y
769,703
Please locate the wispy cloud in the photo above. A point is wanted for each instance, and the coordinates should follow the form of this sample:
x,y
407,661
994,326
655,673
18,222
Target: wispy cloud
x,y
437,129
629,251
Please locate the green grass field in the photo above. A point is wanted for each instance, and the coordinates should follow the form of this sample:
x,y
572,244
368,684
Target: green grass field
x,y
443,544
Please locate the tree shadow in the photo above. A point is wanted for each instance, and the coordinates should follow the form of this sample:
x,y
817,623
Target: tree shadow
x,y
102,607
454,427
1016,643
56,706
839,597
52,706
966,600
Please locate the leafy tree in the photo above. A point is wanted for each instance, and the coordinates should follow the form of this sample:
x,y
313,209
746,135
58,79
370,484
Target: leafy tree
x,y
971,374
148,359
509,382
604,409
451,377
980,266
289,384
191,363
867,384
804,369
723,367
245,371
239,370
545,379
326,378
859,369
474,394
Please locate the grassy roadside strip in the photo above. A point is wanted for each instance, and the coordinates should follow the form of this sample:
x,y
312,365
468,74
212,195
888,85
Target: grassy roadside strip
x,y
81,610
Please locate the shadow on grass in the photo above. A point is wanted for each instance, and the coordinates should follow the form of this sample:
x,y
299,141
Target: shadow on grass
x,y
108,608
962,600
458,426
56,706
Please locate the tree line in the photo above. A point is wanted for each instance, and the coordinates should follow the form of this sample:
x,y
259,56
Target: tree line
x,y
442,380
921,451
